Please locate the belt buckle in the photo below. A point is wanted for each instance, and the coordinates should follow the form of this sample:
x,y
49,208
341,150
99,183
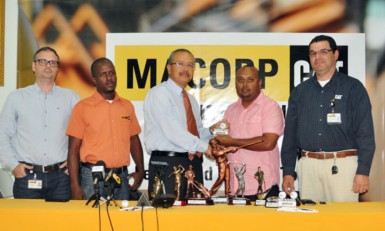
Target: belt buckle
x,y
324,155
43,169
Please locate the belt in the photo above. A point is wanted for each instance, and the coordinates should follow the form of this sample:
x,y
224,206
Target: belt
x,y
118,170
45,168
169,154
329,155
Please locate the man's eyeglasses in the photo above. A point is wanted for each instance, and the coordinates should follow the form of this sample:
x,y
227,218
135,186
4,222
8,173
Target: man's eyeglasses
x,y
321,52
44,62
181,64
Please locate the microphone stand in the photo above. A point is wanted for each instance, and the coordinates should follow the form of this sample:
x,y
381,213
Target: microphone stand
x,y
110,191
95,196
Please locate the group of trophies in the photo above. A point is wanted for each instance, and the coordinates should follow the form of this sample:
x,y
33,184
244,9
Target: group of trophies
x,y
204,197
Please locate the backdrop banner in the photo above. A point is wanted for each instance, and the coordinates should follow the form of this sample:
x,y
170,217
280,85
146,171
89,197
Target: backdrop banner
x,y
282,59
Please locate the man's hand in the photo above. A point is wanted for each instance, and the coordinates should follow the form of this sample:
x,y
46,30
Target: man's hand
x,y
209,153
224,140
77,193
288,184
360,184
63,166
138,178
19,171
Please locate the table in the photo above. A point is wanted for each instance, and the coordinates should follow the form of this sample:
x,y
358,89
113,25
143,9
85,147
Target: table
x,y
16,214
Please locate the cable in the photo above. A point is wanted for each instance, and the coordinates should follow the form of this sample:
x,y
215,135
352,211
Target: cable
x,y
157,221
141,215
100,219
109,218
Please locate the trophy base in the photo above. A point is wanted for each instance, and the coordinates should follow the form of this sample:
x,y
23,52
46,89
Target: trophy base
x,y
220,200
260,202
272,202
180,203
200,201
239,201
287,203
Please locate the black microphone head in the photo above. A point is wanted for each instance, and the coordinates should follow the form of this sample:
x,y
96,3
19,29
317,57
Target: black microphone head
x,y
101,163
98,170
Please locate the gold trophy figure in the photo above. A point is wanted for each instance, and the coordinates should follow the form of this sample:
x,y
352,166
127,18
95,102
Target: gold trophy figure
x,y
178,170
157,187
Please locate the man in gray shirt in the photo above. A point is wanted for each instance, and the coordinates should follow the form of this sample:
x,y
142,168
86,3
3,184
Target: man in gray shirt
x,y
33,143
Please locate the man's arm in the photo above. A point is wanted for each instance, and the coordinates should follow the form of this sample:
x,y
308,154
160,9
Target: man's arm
x,y
364,135
73,167
137,156
8,127
266,142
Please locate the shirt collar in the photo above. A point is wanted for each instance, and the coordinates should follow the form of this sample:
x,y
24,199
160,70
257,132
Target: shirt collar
x,y
332,79
98,98
256,101
38,89
174,87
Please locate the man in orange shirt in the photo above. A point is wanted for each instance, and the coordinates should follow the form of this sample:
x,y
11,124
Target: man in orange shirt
x,y
104,127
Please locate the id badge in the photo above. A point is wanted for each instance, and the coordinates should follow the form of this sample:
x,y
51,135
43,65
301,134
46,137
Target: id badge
x,y
35,184
334,118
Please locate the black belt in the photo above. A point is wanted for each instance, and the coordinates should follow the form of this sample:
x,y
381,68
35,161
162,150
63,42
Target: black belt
x,y
118,170
169,154
44,168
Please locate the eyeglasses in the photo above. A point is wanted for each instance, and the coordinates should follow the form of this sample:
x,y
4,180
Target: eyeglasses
x,y
44,62
181,64
321,52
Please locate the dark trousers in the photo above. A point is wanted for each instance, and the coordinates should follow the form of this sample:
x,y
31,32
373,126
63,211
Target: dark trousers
x,y
55,186
170,181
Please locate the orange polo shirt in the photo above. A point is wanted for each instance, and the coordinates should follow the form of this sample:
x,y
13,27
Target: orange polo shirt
x,y
105,129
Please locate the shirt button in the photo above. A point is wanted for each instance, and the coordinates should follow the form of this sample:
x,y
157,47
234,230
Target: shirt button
x,y
320,120
321,105
320,134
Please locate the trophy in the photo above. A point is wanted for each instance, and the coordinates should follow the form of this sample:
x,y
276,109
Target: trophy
x,y
177,172
222,129
158,186
193,198
241,187
287,202
261,192
220,154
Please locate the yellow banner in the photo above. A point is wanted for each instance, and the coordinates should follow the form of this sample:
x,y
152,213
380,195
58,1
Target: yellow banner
x,y
141,67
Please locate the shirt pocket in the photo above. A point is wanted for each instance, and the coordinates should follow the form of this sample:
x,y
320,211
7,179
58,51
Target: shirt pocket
x,y
125,128
252,126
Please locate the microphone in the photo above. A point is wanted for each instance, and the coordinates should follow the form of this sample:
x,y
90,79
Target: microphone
x,y
112,181
109,175
98,171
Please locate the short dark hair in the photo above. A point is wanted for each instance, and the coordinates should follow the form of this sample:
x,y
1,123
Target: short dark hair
x,y
171,57
330,40
46,49
96,63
